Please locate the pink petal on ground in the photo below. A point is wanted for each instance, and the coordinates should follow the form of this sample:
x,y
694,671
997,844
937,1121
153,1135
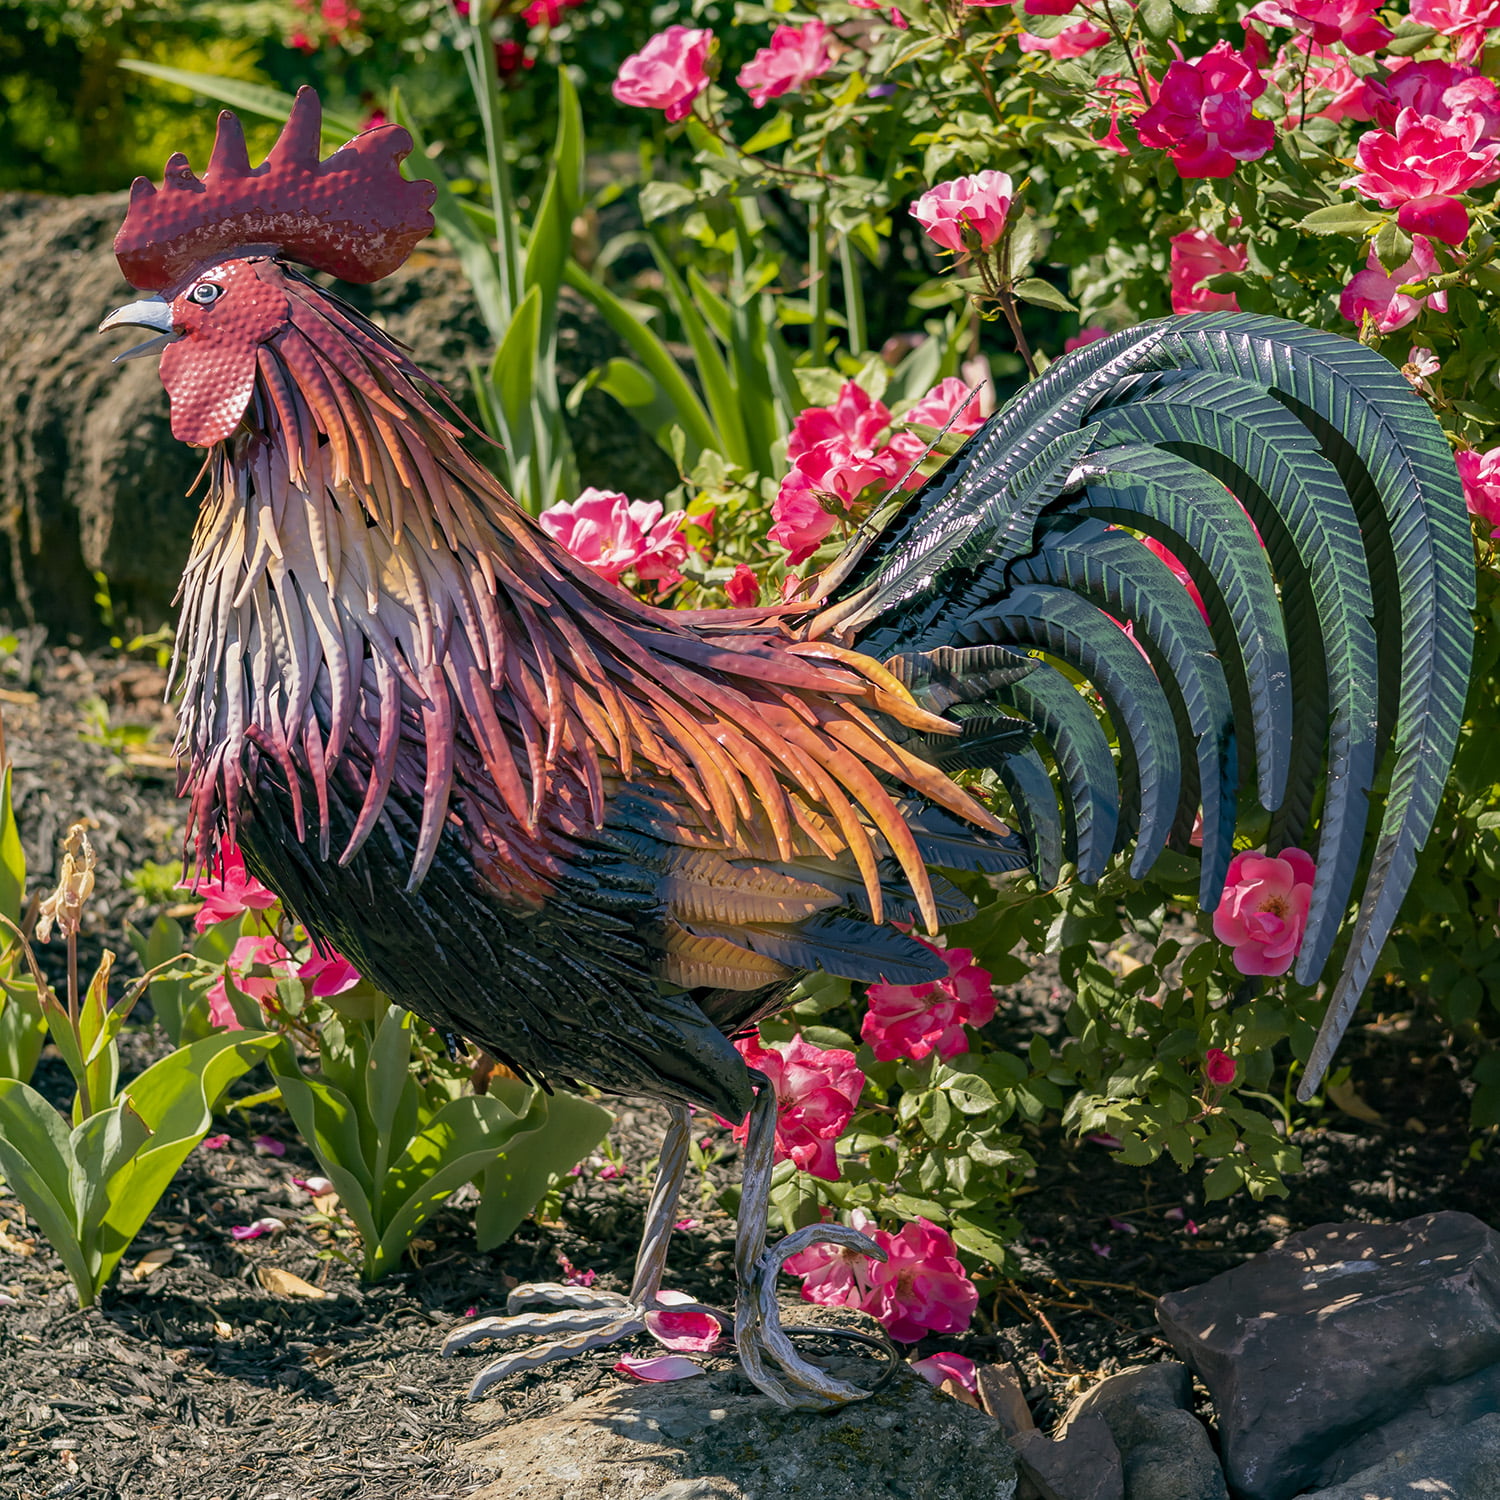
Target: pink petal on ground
x,y
660,1367
690,1332
317,1186
268,1145
214,1142
255,1230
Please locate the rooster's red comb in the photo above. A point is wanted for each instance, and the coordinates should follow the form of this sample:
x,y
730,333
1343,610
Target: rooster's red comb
x,y
353,215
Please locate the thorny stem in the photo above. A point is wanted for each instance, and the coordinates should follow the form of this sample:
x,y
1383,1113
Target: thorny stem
x,y
997,286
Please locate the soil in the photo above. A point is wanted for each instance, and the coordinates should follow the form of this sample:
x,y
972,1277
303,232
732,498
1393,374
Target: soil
x,y
198,1382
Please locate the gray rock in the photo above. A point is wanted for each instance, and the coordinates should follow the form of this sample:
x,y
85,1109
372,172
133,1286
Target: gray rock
x,y
90,475
715,1437
1439,1408
1332,1333
1462,1463
1165,1450
1079,1464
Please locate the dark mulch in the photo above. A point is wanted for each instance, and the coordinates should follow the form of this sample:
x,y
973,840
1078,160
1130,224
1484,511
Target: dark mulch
x,y
198,1381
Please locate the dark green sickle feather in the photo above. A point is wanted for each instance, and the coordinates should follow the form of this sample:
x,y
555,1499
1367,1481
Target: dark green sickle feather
x,y
1339,635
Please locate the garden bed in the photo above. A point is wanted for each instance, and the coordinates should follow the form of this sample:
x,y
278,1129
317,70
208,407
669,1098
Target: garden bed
x,y
200,1380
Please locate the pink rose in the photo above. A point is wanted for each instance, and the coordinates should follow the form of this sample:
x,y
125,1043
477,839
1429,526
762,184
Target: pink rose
x,y
744,587
949,400
1352,22
1468,22
1090,335
248,953
817,1089
1262,914
800,520
1441,89
1422,165
1071,41
1219,1068
1480,473
328,974
796,56
947,1366
668,73
612,535
1373,291
978,203
835,452
911,1020
1202,114
921,1288
1195,256
548,11
230,893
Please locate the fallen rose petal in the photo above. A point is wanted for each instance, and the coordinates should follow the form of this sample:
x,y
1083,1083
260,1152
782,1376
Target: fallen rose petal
x,y
255,1230
693,1332
659,1367
947,1366
214,1142
317,1186
268,1145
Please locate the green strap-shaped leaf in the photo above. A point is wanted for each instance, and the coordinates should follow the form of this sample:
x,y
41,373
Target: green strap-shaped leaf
x,y
653,355
174,1098
36,1156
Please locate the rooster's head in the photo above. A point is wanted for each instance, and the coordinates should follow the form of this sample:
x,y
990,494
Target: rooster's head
x,y
207,248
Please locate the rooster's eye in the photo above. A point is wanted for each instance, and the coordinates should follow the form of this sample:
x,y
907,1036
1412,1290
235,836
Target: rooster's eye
x,y
206,292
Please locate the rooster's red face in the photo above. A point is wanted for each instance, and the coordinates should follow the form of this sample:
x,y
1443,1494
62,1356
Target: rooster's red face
x,y
208,335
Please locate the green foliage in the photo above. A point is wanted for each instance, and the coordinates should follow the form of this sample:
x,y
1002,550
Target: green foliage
x,y
23,1028
91,1185
396,1137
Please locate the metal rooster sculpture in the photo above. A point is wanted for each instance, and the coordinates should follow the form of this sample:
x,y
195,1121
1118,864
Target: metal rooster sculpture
x,y
601,838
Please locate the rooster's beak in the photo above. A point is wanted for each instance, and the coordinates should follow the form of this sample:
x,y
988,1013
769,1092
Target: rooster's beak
x,y
154,312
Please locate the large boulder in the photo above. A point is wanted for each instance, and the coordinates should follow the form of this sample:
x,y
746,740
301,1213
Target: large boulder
x,y
715,1437
1333,1333
91,479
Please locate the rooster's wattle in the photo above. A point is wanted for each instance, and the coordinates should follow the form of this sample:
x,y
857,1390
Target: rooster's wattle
x,y
601,838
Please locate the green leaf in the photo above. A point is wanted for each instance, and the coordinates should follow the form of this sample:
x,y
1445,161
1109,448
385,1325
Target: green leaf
x,y
463,1138
776,131
658,199
272,103
23,1029
512,1186
1343,218
12,855
480,265
653,355
1043,294
175,1099
552,229
40,1168
636,391
513,372
1157,18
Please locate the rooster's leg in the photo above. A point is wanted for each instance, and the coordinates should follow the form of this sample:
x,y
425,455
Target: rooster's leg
x,y
757,1323
592,1319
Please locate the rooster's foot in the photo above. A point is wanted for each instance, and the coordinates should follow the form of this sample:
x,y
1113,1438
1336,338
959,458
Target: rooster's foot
x,y
591,1320
759,1334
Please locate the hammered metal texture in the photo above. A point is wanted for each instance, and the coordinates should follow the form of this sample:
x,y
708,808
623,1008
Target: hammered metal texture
x,y
209,372
352,215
